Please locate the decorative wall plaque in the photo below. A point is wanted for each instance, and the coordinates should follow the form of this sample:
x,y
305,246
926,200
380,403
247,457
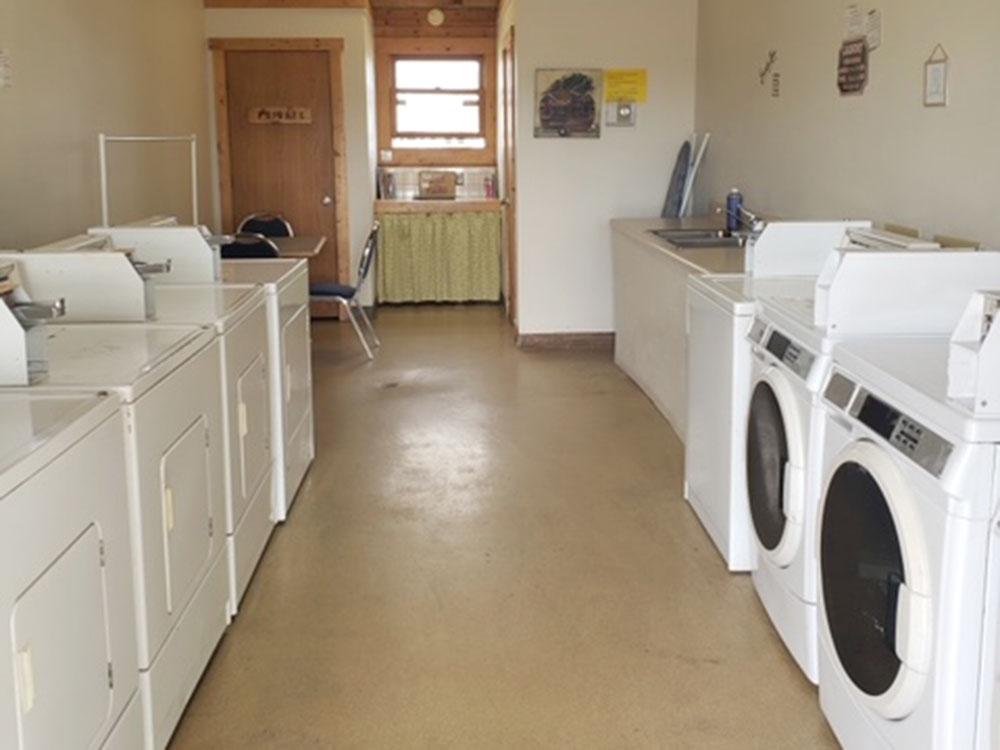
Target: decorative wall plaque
x,y
852,69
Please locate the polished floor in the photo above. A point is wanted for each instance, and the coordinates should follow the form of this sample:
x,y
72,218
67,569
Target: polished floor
x,y
492,551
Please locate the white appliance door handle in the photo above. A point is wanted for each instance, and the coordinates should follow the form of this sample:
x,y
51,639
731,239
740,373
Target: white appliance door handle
x,y
26,672
791,505
288,383
168,509
913,629
243,420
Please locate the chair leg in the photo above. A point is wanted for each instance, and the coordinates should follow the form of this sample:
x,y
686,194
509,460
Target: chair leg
x,y
367,322
357,328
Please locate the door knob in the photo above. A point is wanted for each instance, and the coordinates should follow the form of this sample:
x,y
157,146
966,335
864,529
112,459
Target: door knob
x,y
327,200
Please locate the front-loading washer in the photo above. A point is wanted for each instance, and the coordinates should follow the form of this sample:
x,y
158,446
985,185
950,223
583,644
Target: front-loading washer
x,y
859,293
70,674
905,543
168,379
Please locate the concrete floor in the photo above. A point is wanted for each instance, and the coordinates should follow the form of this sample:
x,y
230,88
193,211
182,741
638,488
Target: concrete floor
x,y
492,550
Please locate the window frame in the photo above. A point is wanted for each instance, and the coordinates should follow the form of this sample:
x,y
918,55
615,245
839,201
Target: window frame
x,y
388,51
480,92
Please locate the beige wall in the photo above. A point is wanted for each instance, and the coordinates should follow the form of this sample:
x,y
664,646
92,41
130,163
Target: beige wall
x,y
812,153
354,27
79,68
571,189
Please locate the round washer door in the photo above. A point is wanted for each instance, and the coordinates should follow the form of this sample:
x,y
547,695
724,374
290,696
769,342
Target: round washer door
x,y
875,581
775,457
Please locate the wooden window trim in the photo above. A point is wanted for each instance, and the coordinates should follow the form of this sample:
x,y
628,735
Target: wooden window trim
x,y
480,92
390,49
334,47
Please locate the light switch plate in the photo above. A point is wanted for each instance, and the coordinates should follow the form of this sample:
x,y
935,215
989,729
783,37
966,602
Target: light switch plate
x,y
620,114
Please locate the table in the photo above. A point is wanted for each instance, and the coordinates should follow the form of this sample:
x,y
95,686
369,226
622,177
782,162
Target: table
x,y
302,246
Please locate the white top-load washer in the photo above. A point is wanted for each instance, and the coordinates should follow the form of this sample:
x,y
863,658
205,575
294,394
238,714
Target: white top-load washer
x,y
286,283
893,293
193,258
70,664
909,547
105,286
168,379
783,261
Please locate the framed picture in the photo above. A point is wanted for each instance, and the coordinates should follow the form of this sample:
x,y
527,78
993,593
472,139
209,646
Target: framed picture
x,y
568,103
936,79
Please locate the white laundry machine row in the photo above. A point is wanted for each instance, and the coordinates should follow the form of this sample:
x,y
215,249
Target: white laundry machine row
x,y
909,547
169,383
195,259
105,287
859,293
69,666
784,261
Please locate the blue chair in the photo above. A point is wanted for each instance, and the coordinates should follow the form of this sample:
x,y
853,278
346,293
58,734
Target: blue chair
x,y
250,245
349,297
267,224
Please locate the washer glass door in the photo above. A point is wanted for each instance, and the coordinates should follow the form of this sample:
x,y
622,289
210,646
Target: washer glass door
x,y
862,572
767,459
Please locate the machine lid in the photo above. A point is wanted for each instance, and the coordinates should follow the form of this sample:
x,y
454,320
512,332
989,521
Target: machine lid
x,y
875,581
278,271
220,305
30,422
126,357
767,461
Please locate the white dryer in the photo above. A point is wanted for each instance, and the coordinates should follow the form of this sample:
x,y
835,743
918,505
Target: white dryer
x,y
784,261
70,662
238,315
905,543
286,283
859,293
169,381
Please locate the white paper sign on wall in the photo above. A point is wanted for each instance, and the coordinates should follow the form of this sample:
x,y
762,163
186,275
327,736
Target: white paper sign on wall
x,y
6,71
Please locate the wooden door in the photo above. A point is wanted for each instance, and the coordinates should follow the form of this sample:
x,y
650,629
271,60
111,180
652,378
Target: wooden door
x,y
280,125
509,74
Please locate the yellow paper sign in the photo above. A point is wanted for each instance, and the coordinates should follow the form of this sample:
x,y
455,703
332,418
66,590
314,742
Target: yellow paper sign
x,y
626,85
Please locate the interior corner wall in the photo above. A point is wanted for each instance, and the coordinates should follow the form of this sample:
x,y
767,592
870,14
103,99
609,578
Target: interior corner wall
x,y
122,67
811,153
570,189
354,27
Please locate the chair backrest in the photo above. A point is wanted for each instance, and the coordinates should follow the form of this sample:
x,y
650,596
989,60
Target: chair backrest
x,y
250,245
368,254
267,224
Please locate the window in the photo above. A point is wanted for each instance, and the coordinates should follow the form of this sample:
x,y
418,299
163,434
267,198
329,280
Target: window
x,y
436,101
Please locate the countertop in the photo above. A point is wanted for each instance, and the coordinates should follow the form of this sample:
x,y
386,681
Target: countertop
x,y
721,259
451,206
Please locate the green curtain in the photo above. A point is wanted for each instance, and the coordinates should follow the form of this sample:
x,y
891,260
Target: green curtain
x,y
439,257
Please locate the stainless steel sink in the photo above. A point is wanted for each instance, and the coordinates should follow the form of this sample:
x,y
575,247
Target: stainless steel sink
x,y
699,237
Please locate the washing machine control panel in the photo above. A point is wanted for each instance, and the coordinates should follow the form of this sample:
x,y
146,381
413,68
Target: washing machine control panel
x,y
793,356
921,445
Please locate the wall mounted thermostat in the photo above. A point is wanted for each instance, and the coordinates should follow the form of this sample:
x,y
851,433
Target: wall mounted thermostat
x,y
620,114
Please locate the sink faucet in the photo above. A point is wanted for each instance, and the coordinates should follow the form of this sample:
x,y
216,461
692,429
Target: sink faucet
x,y
746,219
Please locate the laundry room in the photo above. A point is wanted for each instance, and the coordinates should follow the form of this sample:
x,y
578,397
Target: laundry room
x,y
499,373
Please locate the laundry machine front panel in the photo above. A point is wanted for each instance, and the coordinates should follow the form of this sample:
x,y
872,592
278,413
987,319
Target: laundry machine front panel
x,y
178,466
69,662
767,459
253,425
186,512
297,375
63,674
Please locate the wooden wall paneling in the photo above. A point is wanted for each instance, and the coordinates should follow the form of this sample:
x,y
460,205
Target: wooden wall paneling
x,y
222,134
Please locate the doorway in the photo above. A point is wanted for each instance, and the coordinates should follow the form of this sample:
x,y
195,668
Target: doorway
x,y
280,123
508,75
